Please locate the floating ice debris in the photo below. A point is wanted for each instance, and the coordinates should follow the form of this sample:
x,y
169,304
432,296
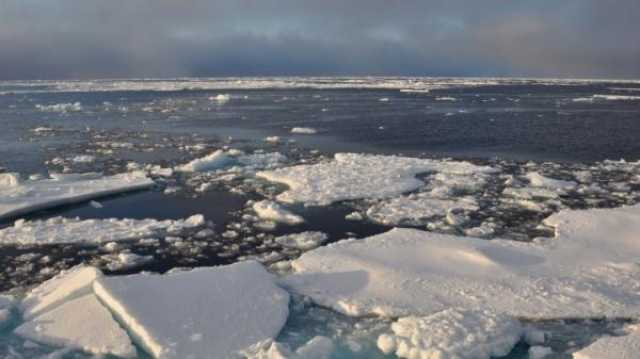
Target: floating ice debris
x,y
72,230
415,209
317,348
304,130
82,323
214,161
83,159
40,130
272,139
354,176
445,98
588,270
21,197
303,241
272,211
219,310
539,352
221,98
126,260
538,180
452,333
384,99
61,107
622,347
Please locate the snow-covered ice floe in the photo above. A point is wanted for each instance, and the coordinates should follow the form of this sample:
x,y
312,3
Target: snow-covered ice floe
x,y
304,130
59,230
233,160
214,161
588,270
355,176
216,311
18,197
272,211
619,347
452,333
317,348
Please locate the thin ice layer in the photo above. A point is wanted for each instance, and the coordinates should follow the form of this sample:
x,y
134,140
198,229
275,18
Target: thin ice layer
x,y
82,323
354,176
452,333
192,314
73,230
622,347
586,271
67,285
33,195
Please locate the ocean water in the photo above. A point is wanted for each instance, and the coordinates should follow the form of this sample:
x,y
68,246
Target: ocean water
x,y
556,127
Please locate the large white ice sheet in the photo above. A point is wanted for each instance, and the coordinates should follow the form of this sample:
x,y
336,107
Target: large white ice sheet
x,y
196,314
622,347
354,176
72,230
589,269
81,323
22,197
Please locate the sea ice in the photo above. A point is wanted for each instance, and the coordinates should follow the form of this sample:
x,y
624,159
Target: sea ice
x,y
355,176
81,323
61,107
21,197
538,180
302,241
622,347
272,211
587,270
214,161
6,304
452,333
72,230
192,314
304,130
415,209
317,348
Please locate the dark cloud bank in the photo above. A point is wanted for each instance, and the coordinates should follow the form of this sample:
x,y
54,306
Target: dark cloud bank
x,y
168,38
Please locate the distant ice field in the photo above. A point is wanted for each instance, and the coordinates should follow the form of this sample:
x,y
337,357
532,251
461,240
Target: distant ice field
x,y
161,176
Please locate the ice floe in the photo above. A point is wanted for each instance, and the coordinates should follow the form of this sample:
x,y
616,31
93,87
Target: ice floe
x,y
354,176
538,180
414,209
452,333
214,161
82,323
619,347
72,230
193,314
587,270
21,197
272,211
302,241
61,107
317,348
304,130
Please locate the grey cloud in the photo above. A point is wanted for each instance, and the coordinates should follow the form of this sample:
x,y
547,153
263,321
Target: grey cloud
x,y
165,38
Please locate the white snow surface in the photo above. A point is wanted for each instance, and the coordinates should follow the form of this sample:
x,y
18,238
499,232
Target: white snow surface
x,y
621,347
67,285
272,211
82,323
588,270
193,314
73,230
355,176
452,333
19,198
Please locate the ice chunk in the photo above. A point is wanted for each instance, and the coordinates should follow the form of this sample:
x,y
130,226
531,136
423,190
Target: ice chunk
x,y
304,130
30,196
416,209
302,241
214,161
272,211
354,176
72,230
67,285
453,333
623,347
221,98
538,180
81,323
194,314
83,159
589,269
6,304
317,348
61,107
9,180
539,352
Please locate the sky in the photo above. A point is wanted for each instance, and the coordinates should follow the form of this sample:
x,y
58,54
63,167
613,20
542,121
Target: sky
x,y
60,39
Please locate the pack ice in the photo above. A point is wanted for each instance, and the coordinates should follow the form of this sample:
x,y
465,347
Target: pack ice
x,y
588,270
19,197
201,313
355,176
